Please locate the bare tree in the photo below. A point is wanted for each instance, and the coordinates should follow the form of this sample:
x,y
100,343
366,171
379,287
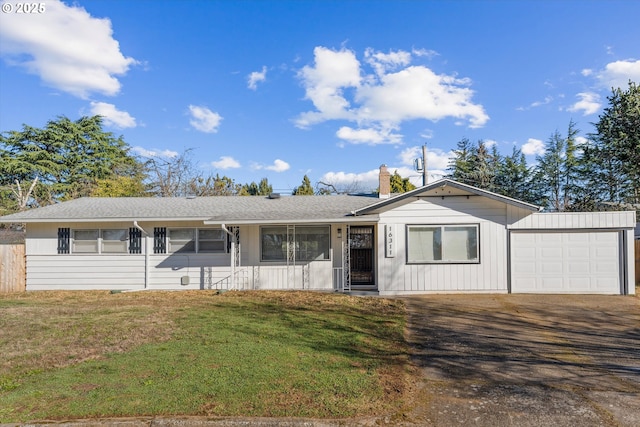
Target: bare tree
x,y
171,176
335,188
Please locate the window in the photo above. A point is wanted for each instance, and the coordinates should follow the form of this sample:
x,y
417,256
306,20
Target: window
x,y
114,241
212,240
182,240
442,244
85,241
108,241
196,240
310,242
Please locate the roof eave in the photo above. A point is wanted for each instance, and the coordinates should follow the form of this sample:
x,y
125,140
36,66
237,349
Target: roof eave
x,y
343,220
101,219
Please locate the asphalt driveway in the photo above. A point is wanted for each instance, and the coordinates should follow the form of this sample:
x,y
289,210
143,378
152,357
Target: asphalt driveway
x,y
526,360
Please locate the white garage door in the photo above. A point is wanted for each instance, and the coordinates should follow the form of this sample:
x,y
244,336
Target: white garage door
x,y
565,262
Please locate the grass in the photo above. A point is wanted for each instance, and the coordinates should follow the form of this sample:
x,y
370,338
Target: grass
x,y
69,355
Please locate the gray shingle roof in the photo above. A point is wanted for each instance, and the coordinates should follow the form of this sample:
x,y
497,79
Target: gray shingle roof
x,y
227,209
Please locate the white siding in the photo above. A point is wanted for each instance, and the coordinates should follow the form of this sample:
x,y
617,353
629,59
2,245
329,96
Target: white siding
x,y
51,272
167,270
585,262
48,270
568,220
395,276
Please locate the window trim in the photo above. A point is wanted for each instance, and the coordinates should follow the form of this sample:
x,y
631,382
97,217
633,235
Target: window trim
x,y
196,240
99,242
287,239
442,226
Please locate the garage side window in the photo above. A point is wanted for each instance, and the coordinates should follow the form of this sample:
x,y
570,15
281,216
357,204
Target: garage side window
x,y
442,244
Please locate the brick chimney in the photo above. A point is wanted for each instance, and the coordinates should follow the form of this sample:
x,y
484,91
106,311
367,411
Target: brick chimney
x,y
385,183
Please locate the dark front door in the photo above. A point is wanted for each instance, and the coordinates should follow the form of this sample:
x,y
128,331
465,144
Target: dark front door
x,y
361,255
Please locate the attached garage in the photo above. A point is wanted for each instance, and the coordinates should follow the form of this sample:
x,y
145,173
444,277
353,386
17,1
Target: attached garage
x,y
566,262
562,253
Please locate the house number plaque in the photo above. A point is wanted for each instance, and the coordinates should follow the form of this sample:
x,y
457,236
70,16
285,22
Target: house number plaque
x,y
389,240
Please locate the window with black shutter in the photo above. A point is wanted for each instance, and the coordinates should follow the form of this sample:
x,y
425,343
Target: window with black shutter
x,y
160,240
63,240
135,241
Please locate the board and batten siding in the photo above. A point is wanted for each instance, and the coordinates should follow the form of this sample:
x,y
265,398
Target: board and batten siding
x,y
395,276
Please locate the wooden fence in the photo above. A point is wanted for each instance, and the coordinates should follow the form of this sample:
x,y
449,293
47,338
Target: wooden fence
x,y
12,268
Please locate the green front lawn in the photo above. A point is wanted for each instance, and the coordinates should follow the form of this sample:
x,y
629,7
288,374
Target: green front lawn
x,y
295,354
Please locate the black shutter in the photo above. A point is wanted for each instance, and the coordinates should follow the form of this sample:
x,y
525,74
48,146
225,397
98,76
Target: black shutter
x,y
160,240
135,241
64,237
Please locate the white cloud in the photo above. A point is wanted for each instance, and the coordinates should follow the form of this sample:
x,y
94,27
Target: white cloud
x,y
66,47
169,154
617,74
112,116
379,102
369,180
366,181
589,103
204,119
277,166
226,162
384,62
547,100
581,140
368,136
256,77
428,53
437,160
324,84
587,72
533,146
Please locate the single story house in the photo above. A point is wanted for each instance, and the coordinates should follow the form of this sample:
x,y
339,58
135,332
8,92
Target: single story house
x,y
442,237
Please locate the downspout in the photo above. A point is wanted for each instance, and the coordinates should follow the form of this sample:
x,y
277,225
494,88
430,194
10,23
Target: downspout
x,y
146,253
232,257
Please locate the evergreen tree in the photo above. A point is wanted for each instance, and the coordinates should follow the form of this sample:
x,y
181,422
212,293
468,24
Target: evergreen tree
x,y
305,189
558,171
69,158
615,148
400,184
253,189
461,165
515,179
474,165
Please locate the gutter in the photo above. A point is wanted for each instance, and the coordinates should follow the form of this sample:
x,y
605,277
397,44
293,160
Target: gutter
x,y
232,255
146,254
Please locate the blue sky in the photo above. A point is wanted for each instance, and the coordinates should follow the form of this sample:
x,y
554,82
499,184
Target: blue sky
x,y
331,89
